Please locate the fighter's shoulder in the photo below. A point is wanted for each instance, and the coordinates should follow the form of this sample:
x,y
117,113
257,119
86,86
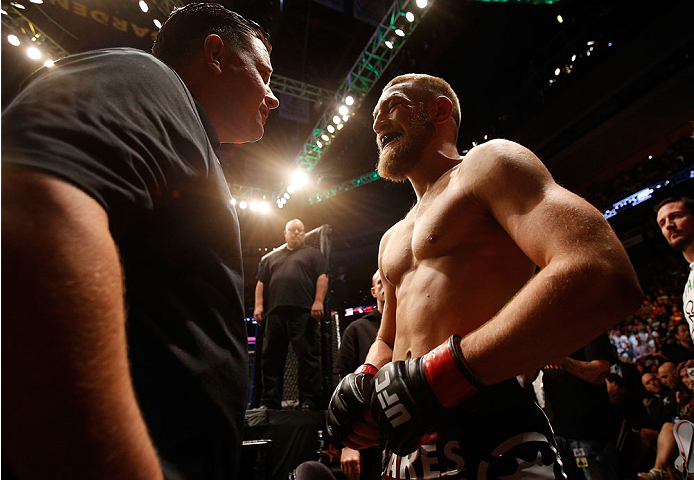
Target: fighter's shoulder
x,y
501,153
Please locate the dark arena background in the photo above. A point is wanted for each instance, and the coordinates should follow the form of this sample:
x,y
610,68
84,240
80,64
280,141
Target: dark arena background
x,y
602,91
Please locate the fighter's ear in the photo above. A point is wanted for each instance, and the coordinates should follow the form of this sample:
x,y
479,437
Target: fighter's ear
x,y
443,109
214,51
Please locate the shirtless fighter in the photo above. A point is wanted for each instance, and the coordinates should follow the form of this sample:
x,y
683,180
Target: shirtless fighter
x,y
465,311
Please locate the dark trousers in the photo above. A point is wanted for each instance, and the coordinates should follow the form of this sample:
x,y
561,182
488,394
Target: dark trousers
x,y
282,325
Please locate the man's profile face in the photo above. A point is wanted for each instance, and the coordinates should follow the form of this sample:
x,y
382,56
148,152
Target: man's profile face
x,y
244,98
377,287
403,130
677,225
294,234
650,383
682,333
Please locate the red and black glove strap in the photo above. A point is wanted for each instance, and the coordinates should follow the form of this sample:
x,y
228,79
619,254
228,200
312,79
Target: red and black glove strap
x,y
448,375
367,368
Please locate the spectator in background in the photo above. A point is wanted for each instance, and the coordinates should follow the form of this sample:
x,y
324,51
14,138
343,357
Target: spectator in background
x,y
291,288
680,347
675,217
356,342
577,404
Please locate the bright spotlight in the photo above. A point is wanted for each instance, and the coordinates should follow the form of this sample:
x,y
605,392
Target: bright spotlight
x,y
343,110
48,63
560,19
557,71
422,3
337,120
399,32
410,17
143,6
14,40
319,143
573,58
264,207
325,138
254,206
389,44
37,2
287,196
290,189
243,204
156,23
331,129
33,53
280,205
340,126
299,179
345,118
232,201
18,5
349,100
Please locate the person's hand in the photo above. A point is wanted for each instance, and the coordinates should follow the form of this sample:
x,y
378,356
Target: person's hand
x,y
409,395
317,310
259,314
349,422
350,463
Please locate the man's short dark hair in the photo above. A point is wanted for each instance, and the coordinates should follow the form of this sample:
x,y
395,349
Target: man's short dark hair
x,y
686,201
186,28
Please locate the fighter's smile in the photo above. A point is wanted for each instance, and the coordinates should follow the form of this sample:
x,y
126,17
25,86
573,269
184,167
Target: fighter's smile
x,y
386,138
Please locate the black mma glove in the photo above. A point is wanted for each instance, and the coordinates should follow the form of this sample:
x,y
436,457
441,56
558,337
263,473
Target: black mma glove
x,y
409,395
349,403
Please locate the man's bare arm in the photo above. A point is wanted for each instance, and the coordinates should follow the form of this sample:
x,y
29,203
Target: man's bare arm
x,y
259,310
586,282
594,371
318,309
69,410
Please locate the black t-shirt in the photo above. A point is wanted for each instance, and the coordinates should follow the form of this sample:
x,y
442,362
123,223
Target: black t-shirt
x,y
289,277
122,126
356,342
576,408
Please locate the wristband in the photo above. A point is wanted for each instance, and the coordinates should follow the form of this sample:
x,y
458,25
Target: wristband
x,y
367,368
448,375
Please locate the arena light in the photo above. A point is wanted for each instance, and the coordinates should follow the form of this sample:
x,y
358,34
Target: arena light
x,y
48,63
345,118
287,196
14,40
389,44
343,110
331,129
410,17
290,189
156,23
264,207
143,6
422,3
349,100
18,5
340,126
254,206
232,201
319,143
325,138
560,19
33,53
399,32
243,204
299,179
37,2
557,71
280,205
337,120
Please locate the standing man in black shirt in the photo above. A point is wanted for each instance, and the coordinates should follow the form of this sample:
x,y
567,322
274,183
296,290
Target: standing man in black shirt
x,y
124,345
291,288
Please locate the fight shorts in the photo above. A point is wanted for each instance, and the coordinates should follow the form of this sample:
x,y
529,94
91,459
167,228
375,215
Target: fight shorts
x,y
500,433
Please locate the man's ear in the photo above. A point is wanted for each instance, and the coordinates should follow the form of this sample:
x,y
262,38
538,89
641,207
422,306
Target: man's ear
x,y
373,292
214,51
443,109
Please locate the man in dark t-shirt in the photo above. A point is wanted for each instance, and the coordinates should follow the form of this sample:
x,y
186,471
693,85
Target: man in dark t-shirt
x,y
124,347
289,296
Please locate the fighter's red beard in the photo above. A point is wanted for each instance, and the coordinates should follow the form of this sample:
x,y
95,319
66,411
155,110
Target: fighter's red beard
x,y
398,158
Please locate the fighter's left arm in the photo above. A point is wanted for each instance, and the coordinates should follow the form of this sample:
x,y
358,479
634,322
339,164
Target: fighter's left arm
x,y
586,283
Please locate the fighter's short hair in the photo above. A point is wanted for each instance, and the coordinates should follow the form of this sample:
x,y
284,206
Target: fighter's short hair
x,y
686,201
186,28
435,85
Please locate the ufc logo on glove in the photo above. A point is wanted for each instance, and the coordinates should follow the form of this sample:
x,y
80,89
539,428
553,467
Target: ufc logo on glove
x,y
395,411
